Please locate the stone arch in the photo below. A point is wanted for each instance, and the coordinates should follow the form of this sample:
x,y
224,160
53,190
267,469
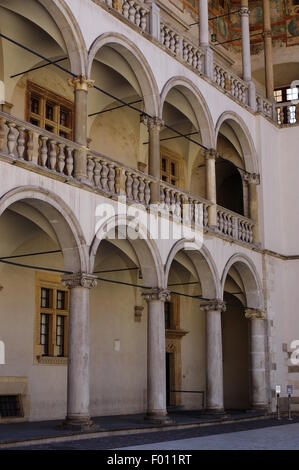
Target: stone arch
x,y
61,218
250,279
71,33
145,249
139,64
244,137
204,266
198,104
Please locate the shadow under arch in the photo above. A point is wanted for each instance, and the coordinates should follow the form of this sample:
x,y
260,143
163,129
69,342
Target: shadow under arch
x,y
138,63
250,279
204,267
197,103
244,137
61,218
71,33
146,250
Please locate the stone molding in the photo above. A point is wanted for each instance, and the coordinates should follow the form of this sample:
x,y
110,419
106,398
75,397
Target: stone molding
x,y
255,314
79,280
213,305
81,83
162,295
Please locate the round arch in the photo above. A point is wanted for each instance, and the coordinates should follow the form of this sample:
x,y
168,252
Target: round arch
x,y
61,218
204,266
198,105
142,70
145,249
250,278
71,33
244,137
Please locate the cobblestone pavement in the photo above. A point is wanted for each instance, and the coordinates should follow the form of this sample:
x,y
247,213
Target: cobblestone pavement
x,y
262,434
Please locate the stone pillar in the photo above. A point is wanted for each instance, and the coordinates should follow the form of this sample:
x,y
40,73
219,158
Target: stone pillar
x,y
154,19
204,37
253,180
258,358
156,366
154,125
214,365
210,162
269,77
78,350
244,13
80,85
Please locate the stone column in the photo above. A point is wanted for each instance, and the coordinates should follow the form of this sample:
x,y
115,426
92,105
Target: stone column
x,y
204,37
154,19
258,358
245,187
80,85
156,366
244,13
154,125
210,162
269,77
78,350
253,180
214,365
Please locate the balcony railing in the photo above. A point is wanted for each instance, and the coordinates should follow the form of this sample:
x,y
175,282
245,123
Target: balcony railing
x,y
43,152
231,83
265,107
234,225
287,113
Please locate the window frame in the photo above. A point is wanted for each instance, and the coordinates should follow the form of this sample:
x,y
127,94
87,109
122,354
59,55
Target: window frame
x,y
59,103
53,283
171,157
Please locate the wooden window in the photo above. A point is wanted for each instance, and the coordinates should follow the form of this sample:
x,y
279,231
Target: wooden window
x,y
170,167
49,111
52,302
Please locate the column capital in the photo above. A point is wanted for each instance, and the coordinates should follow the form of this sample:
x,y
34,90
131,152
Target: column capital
x,y
81,83
255,314
210,154
79,280
152,122
156,294
251,178
210,305
244,11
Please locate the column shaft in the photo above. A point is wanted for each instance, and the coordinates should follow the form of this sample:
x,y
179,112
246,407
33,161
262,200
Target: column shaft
x,y
203,11
214,365
210,162
246,59
154,125
269,77
253,209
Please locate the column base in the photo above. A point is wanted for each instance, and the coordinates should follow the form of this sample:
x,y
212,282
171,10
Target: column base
x,y
158,418
219,412
79,424
260,408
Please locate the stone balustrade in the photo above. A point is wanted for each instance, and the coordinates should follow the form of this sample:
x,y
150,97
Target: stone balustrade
x,y
231,83
287,113
265,107
131,10
41,151
234,225
184,205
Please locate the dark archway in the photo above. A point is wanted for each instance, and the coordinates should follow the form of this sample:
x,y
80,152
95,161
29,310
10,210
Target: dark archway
x,y
229,187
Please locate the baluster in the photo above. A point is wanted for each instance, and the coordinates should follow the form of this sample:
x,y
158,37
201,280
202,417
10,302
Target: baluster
x,y
111,178
172,41
223,79
190,54
126,7
199,61
30,146
141,189
90,168
21,142
167,37
11,138
44,151
129,184
162,35
104,174
2,133
61,158
205,215
52,154
185,51
135,187
195,60
143,21
162,197
97,171
132,11
177,45
69,162
178,208
147,192
167,198
172,201
138,16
